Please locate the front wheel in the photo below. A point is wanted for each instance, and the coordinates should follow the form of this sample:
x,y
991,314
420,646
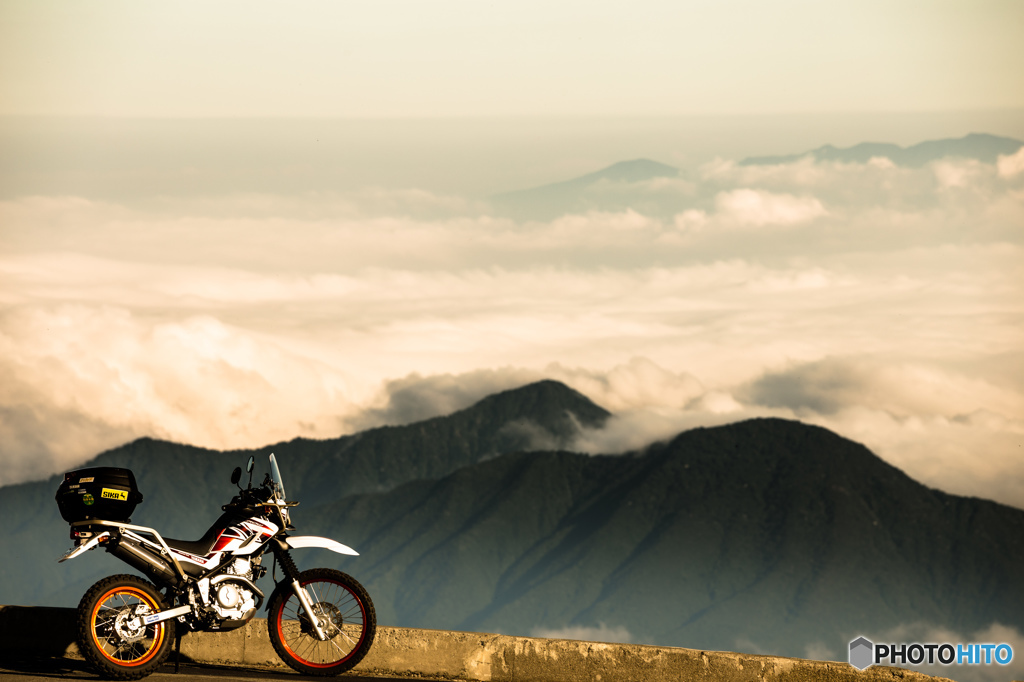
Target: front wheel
x,y
345,614
111,633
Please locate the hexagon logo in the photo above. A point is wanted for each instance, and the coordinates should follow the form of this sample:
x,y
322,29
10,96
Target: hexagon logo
x,y
862,653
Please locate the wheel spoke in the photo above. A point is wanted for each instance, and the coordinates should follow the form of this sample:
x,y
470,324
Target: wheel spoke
x,y
345,620
116,640
348,637
336,607
335,645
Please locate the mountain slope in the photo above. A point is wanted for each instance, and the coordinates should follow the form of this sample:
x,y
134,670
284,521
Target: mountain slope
x,y
184,486
768,532
591,192
978,146
628,185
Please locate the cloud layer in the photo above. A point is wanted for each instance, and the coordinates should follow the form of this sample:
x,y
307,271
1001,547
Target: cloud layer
x,y
882,302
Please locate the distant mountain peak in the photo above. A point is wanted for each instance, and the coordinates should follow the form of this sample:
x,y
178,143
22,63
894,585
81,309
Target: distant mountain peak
x,y
547,398
769,530
978,146
558,198
636,170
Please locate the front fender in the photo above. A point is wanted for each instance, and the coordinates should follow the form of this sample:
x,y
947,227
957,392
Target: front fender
x,y
301,542
304,541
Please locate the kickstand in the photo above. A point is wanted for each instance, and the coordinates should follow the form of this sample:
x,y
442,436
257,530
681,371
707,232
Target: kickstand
x,y
177,652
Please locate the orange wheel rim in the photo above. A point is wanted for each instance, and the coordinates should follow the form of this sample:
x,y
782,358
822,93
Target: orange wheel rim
x,y
110,644
303,649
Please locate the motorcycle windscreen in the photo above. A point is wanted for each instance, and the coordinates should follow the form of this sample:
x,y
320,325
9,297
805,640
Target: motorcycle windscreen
x,y
275,474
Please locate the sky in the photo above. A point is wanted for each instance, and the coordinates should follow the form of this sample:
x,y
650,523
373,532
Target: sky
x,y
233,224
465,58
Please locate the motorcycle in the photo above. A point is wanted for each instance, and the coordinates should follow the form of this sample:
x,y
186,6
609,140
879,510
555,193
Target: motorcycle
x,y
320,621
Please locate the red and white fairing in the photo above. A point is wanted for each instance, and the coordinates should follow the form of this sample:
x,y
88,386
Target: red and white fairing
x,y
239,540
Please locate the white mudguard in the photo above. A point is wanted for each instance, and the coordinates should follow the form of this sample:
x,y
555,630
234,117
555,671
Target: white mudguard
x,y
304,541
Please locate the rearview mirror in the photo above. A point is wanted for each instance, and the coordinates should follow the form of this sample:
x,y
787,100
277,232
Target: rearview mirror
x,y
236,475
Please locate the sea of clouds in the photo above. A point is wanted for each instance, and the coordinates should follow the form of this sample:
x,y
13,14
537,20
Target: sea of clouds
x,y
882,302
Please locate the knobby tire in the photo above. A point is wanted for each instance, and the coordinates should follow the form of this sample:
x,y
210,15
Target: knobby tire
x,y
109,636
348,615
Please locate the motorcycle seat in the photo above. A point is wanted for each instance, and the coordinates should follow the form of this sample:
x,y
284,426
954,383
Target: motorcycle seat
x,y
204,545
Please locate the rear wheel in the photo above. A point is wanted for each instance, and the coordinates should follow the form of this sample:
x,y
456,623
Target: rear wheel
x,y
111,633
344,612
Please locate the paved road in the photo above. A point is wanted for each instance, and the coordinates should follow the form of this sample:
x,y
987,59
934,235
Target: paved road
x,y
39,669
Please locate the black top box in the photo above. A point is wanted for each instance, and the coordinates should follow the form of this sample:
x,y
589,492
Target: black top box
x,y
105,493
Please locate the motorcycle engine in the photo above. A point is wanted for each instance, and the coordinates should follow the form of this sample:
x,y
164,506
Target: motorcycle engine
x,y
241,566
233,600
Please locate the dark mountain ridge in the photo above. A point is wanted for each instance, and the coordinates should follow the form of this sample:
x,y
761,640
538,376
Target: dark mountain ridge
x,y
625,185
184,486
576,195
765,534
636,170
978,146
767,531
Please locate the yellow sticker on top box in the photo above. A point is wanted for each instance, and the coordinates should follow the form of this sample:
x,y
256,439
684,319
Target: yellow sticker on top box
x,y
108,494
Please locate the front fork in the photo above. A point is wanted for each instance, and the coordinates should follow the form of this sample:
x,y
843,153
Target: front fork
x,y
291,571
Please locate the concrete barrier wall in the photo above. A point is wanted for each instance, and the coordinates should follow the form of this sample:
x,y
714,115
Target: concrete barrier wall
x,y
447,655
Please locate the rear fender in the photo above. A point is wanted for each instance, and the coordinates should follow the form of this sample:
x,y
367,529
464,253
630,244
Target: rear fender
x,y
84,547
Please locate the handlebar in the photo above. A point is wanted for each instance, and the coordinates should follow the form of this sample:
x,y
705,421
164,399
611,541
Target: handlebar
x,y
248,499
252,501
